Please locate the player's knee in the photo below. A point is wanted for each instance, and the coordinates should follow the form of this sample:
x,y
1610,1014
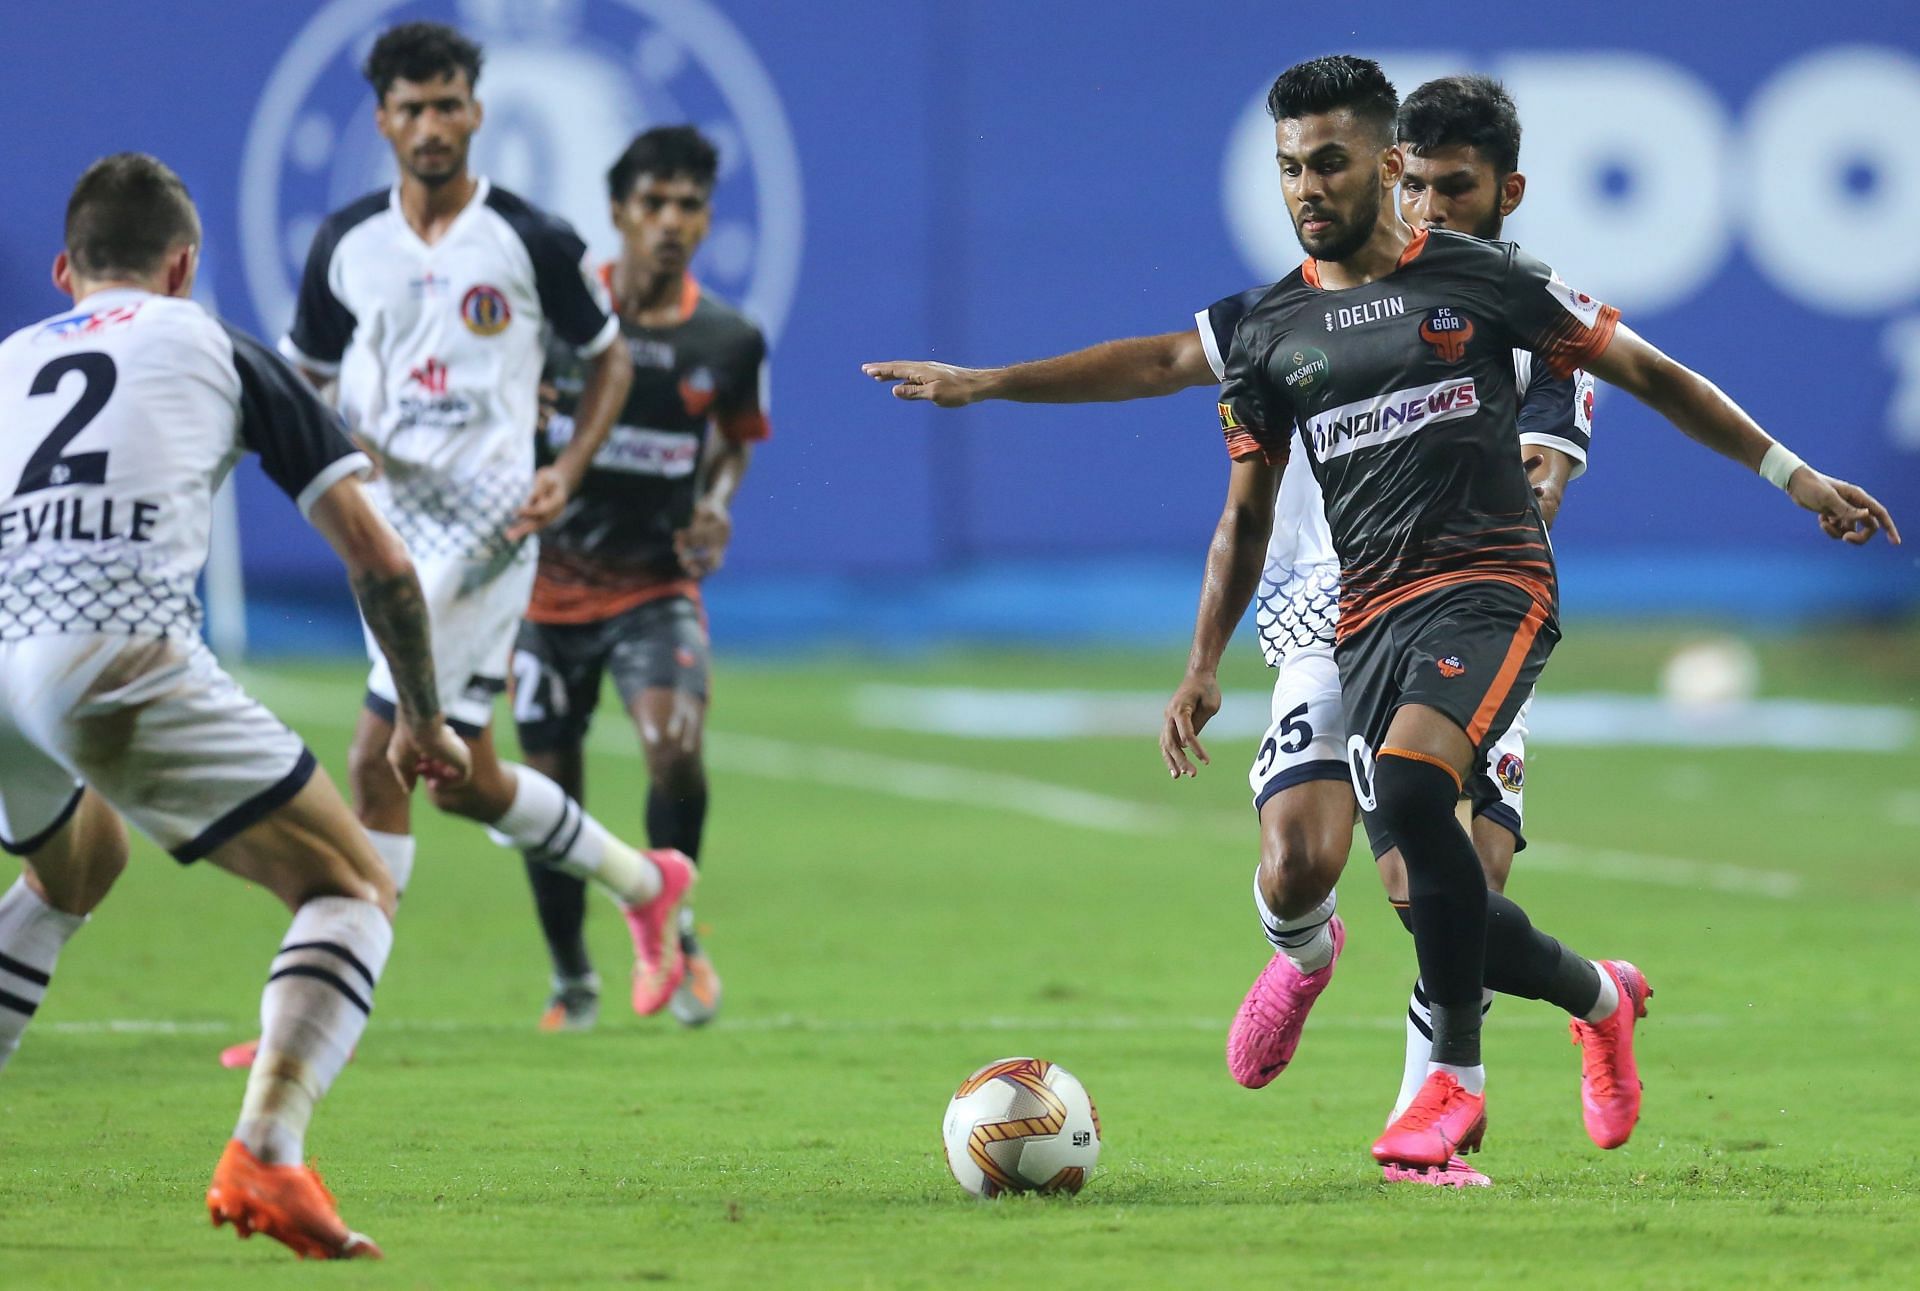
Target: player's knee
x,y
676,771
1298,868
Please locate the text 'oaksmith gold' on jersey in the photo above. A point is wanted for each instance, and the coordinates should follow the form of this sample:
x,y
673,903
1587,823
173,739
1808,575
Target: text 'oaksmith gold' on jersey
x,y
1403,393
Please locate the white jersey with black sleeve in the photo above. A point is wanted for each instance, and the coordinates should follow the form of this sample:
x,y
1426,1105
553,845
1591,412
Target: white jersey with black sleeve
x,y
1298,604
439,350
121,417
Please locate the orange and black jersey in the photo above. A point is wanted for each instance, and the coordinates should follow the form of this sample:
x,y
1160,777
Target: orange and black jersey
x,y
1402,393
612,548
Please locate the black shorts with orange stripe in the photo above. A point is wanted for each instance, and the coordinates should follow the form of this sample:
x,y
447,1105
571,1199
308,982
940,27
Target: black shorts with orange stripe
x,y
1471,650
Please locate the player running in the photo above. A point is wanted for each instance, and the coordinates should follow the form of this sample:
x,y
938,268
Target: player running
x,y
618,588
1301,786
123,415
429,303
1448,595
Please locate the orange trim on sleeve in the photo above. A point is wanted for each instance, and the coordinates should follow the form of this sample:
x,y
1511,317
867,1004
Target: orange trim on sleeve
x,y
750,427
1569,345
1509,669
1413,756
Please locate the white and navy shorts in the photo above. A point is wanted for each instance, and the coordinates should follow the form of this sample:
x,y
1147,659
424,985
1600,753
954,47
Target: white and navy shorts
x,y
152,725
1307,740
474,608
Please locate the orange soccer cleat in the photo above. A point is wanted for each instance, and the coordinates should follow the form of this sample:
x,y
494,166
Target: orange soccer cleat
x,y
1443,1119
286,1202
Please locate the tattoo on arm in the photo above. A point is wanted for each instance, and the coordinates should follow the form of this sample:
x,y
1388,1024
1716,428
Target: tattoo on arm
x,y
396,611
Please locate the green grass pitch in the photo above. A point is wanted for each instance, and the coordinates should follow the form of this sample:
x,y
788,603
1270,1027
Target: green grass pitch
x,y
881,937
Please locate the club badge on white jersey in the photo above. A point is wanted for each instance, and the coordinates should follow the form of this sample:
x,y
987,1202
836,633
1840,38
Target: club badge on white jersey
x,y
439,349
122,417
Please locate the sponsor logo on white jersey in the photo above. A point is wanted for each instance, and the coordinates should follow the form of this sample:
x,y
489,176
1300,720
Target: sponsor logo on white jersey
x,y
566,86
1369,423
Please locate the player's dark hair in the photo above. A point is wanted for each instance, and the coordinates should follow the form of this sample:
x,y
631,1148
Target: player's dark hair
x,y
665,152
420,51
1322,85
1470,110
126,213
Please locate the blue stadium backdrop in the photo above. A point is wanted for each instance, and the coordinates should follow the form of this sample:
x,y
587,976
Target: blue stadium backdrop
x,y
980,180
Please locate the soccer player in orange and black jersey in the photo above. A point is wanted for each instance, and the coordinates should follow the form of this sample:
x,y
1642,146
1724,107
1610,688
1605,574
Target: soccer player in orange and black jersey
x,y
618,588
1388,352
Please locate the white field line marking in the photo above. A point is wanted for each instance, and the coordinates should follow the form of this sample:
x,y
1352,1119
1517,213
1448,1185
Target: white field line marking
x,y
879,773
1515,1014
1594,720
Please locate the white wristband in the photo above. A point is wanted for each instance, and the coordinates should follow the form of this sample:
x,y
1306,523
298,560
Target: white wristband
x,y
1778,466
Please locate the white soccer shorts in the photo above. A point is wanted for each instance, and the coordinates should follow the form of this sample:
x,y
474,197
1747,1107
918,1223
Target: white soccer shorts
x,y
474,608
1307,739
151,724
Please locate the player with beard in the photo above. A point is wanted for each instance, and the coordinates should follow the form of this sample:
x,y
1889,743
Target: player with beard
x,y
1301,786
618,589
1448,594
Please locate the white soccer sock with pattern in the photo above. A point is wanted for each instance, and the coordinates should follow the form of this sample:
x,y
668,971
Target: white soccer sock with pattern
x,y
31,935
555,830
1420,1046
1307,940
311,1016
396,850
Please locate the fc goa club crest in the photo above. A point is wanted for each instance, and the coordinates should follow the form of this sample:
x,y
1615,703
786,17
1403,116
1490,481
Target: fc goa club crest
x,y
567,84
485,310
1447,330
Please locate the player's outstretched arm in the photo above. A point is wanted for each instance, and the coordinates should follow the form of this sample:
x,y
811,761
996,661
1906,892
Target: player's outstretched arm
x,y
395,609
609,376
1703,412
1234,562
1141,367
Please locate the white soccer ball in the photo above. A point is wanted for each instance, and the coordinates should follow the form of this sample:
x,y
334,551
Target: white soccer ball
x,y
1021,1125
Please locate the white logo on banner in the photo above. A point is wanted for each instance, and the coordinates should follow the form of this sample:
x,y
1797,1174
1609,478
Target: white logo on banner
x,y
566,84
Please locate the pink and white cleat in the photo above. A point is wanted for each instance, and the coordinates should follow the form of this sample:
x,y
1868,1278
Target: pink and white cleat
x,y
1266,1030
658,963
1443,1121
1456,1173
1609,1078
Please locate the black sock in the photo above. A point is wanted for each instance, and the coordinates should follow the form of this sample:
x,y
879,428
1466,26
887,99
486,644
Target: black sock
x,y
1523,961
561,900
1447,891
677,819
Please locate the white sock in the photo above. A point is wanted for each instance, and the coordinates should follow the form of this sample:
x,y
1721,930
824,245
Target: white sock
x,y
397,851
1413,1073
1307,940
31,935
1609,995
1472,1079
311,1016
555,830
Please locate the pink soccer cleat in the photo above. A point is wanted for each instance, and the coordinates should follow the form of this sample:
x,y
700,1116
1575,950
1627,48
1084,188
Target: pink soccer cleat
x,y
1443,1119
1266,1030
658,963
1609,1079
238,1057
1456,1173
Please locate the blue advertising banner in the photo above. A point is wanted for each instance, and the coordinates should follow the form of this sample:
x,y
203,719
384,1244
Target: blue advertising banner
x,y
984,181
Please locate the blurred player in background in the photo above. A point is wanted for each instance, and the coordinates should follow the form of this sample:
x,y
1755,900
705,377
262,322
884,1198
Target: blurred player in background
x,y
1449,596
1301,784
123,416
618,589
431,303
